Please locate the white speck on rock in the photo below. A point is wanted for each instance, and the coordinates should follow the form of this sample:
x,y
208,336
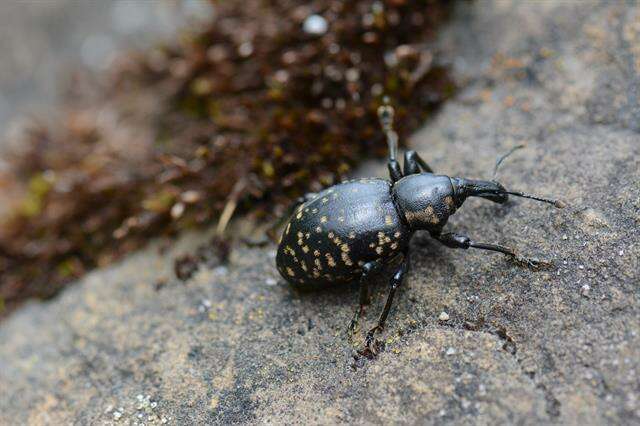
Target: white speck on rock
x,y
315,24
451,351
221,270
443,316
271,281
585,289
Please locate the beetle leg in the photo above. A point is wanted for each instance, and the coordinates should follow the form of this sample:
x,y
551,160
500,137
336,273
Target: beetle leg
x,y
395,173
272,230
414,164
369,269
454,240
371,344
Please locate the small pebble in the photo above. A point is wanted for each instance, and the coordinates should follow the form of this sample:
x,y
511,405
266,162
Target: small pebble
x,y
584,290
621,253
443,316
451,351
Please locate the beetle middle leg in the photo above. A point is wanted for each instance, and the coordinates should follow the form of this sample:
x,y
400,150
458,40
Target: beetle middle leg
x,y
454,240
371,345
369,269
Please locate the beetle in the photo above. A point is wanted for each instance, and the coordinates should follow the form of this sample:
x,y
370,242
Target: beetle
x,y
352,230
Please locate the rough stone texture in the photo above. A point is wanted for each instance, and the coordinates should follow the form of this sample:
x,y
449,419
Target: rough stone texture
x,y
235,344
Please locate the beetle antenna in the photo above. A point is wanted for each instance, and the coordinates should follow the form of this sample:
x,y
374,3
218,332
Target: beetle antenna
x,y
385,115
504,157
556,203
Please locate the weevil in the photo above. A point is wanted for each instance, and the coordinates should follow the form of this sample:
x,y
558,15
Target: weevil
x,y
352,230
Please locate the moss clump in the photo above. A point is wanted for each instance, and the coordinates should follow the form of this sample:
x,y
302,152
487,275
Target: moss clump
x,y
260,102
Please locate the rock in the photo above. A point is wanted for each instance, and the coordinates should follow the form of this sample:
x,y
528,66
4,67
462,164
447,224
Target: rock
x,y
230,347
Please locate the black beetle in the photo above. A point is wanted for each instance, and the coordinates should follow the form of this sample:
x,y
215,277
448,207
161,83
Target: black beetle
x,y
351,230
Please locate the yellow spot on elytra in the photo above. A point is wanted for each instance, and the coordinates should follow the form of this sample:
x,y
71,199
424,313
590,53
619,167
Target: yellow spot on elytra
x,y
299,215
330,260
397,234
288,228
394,246
304,266
299,234
431,215
316,253
344,248
331,235
352,235
379,250
388,220
305,249
290,272
448,201
324,219
318,264
345,258
318,229
372,245
300,242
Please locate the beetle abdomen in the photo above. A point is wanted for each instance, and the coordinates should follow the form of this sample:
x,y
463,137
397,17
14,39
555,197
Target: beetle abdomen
x,y
329,238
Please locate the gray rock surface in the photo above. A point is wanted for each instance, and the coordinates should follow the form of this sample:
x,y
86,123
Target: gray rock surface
x,y
236,345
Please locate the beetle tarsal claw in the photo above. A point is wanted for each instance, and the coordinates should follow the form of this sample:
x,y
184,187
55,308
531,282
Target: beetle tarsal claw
x,y
353,328
531,262
372,346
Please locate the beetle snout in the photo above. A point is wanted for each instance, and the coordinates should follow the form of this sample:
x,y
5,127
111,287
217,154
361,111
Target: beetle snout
x,y
495,192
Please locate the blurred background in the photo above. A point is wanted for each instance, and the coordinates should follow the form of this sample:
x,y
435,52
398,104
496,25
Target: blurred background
x,y
124,121
43,42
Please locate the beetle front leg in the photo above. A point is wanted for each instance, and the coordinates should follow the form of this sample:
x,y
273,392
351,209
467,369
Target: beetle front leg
x,y
395,174
454,240
414,164
372,346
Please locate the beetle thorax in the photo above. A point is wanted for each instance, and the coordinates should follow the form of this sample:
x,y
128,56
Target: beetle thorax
x,y
426,200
